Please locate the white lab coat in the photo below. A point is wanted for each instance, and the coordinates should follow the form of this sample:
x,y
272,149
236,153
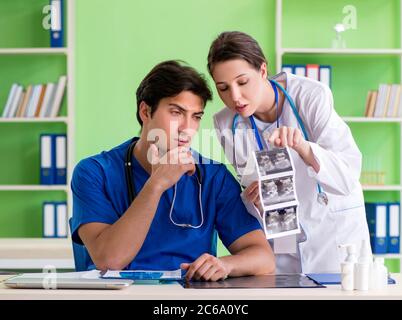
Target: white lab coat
x,y
343,220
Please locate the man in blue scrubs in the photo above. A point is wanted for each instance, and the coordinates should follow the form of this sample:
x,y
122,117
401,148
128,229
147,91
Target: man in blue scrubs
x,y
158,230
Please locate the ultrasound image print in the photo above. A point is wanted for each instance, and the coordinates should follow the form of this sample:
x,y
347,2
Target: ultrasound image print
x,y
277,190
280,220
273,161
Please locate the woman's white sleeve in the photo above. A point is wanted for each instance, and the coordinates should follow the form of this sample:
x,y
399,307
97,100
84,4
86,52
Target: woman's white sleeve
x,y
332,144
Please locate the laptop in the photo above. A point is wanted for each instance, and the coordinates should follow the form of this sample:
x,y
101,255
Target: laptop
x,y
73,280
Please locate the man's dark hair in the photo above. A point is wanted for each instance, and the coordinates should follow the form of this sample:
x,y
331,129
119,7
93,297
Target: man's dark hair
x,y
232,45
168,79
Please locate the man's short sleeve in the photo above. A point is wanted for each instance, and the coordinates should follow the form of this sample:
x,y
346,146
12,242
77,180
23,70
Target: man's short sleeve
x,y
90,201
232,218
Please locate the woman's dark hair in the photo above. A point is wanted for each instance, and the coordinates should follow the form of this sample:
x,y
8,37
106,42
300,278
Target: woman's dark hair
x,y
235,45
168,79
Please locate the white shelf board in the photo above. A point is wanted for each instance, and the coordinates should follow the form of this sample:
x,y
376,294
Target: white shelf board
x,y
365,119
33,188
37,249
6,51
33,120
341,51
388,255
35,243
382,188
39,264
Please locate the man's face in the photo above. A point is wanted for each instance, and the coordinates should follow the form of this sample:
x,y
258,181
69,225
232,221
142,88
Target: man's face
x,y
175,121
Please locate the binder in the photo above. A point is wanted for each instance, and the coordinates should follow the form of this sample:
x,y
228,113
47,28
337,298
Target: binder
x,y
377,223
47,100
61,219
393,230
40,101
61,159
22,108
382,101
312,71
373,100
56,24
288,68
58,97
33,101
46,159
49,220
300,70
368,99
393,100
399,107
10,99
15,102
325,75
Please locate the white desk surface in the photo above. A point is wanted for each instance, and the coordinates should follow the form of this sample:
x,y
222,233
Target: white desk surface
x,y
177,292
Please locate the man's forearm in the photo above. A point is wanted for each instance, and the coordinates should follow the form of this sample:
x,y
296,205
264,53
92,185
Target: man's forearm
x,y
118,244
253,260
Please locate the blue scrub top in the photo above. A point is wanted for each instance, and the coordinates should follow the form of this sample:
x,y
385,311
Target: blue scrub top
x,y
100,195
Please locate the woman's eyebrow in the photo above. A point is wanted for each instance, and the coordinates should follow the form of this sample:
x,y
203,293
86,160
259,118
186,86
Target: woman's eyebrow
x,y
240,75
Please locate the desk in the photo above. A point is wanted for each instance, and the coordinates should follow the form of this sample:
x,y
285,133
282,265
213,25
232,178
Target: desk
x,y
177,292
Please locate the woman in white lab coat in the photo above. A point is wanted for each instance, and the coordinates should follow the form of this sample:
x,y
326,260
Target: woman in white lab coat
x,y
329,159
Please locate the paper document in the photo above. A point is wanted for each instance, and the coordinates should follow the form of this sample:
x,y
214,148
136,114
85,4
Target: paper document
x,y
274,171
143,274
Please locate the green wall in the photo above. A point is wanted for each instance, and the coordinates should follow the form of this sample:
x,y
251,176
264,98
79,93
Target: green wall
x,y
118,42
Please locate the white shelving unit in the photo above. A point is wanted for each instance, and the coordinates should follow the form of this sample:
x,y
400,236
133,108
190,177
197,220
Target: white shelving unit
x,y
281,51
18,120
14,51
371,120
35,253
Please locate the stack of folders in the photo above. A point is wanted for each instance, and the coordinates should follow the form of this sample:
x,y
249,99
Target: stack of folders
x,y
37,101
55,219
384,226
314,71
53,159
385,102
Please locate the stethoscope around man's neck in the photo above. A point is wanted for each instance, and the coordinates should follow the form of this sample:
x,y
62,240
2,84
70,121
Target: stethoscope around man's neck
x,y
322,197
128,165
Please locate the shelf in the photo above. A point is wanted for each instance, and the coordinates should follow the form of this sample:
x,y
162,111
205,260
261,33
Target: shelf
x,y
36,253
34,188
341,51
33,120
382,188
33,51
369,120
388,255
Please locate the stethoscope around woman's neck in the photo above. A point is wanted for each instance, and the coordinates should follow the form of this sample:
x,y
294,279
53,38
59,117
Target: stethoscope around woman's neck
x,y
322,197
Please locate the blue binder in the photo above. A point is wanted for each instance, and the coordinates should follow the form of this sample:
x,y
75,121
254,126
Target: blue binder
x,y
288,68
376,214
57,23
300,70
393,227
47,159
61,219
60,143
49,220
326,75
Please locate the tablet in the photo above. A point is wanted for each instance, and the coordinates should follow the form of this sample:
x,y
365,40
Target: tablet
x,y
264,281
45,281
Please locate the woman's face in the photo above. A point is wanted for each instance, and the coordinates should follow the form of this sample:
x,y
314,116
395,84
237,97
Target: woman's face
x,y
240,85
